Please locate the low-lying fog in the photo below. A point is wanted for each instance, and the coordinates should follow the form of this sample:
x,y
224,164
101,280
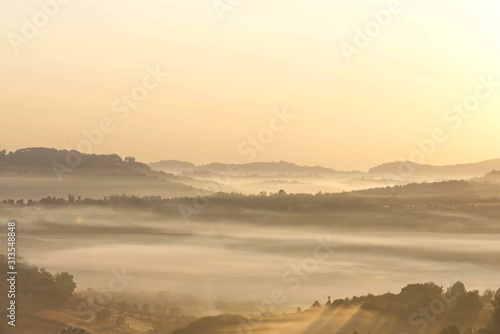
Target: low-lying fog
x,y
245,258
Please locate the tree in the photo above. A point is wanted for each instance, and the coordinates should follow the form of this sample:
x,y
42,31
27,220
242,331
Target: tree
x,y
65,286
120,321
495,323
494,326
158,309
488,296
456,289
134,308
123,306
416,295
175,311
104,314
468,307
2,154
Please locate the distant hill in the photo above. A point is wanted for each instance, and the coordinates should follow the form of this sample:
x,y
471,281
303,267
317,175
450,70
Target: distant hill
x,y
173,166
461,170
29,174
443,188
260,168
39,160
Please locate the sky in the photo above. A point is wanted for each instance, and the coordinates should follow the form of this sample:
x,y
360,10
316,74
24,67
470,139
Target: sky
x,y
233,66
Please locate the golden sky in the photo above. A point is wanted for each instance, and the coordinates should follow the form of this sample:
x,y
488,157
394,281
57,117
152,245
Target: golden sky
x,y
226,76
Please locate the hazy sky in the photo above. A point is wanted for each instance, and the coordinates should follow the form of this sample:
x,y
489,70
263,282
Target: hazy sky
x,y
227,76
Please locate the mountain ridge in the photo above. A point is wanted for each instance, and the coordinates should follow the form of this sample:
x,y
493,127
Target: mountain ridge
x,y
40,159
247,168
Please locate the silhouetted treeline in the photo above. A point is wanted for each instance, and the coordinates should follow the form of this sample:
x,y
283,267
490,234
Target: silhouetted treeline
x,y
38,160
464,305
417,308
440,195
36,289
420,302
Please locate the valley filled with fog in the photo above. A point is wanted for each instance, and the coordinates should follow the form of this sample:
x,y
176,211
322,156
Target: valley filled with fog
x,y
235,257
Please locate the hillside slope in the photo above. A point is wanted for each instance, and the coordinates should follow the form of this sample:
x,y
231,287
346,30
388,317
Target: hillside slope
x,y
460,170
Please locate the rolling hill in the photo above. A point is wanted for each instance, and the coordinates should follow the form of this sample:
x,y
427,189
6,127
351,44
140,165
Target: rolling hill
x,y
260,168
453,171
